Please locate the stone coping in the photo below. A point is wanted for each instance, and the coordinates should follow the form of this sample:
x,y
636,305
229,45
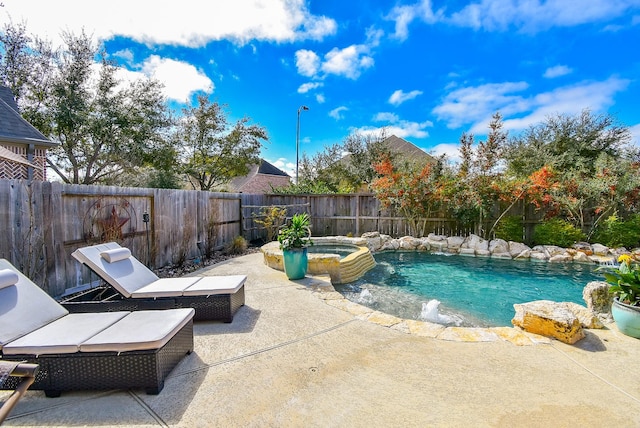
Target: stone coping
x,y
322,288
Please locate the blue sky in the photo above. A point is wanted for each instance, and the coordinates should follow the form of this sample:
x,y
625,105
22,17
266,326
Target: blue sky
x,y
424,70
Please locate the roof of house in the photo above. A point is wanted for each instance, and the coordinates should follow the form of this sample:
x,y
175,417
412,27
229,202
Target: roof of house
x,y
13,128
264,168
404,148
401,148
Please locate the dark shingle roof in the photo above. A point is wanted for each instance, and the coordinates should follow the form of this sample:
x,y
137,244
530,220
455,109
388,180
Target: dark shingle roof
x,y
267,168
13,128
263,168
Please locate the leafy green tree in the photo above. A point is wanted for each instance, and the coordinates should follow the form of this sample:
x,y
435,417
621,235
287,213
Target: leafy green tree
x,y
568,143
345,167
104,128
214,153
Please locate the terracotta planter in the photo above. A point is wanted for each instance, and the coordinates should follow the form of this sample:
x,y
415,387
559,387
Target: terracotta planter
x,y
295,263
627,318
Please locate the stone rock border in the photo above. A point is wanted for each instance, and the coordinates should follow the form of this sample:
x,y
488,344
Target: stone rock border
x,y
473,245
532,324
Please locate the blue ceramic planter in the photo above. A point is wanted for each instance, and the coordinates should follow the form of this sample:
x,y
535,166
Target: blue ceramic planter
x,y
627,318
295,263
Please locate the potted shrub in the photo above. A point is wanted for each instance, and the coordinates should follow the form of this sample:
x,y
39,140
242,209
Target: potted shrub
x,y
294,240
625,287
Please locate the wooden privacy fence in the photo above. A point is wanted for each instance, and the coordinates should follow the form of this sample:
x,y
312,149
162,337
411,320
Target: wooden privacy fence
x,y
353,214
42,223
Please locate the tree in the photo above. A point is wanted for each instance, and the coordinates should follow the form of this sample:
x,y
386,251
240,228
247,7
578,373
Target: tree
x,y
415,193
105,128
568,143
214,154
479,179
341,167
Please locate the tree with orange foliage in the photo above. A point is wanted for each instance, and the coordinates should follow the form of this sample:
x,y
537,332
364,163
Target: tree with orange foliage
x,y
415,194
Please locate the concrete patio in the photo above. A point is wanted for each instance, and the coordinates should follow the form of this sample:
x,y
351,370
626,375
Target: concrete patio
x,y
298,356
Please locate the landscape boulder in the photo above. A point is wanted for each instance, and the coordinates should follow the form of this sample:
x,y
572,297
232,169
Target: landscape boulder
x,y
598,299
549,319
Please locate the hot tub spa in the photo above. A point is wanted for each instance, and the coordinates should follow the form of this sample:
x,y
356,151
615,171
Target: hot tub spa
x,y
344,259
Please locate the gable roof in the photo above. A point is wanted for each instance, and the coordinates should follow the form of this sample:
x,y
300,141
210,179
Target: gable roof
x,y
401,148
13,128
406,149
264,168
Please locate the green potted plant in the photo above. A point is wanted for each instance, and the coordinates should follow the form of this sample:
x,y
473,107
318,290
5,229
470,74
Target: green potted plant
x,y
294,240
625,287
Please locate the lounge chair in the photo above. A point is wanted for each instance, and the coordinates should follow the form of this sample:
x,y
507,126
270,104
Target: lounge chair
x,y
137,287
23,376
88,351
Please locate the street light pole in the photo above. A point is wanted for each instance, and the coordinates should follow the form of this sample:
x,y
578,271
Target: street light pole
x,y
301,108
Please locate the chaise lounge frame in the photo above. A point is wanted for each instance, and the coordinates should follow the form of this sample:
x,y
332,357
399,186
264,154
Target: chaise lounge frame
x,y
109,369
21,376
218,305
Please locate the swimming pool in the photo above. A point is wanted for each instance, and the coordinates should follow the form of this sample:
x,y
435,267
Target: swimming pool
x,y
464,291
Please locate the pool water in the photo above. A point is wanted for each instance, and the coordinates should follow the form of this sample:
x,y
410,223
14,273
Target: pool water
x,y
464,291
341,250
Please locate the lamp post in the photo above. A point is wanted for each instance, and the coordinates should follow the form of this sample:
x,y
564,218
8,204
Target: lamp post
x,y
301,108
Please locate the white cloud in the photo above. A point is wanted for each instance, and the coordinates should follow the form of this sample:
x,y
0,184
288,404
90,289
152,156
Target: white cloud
x,y
534,16
320,98
386,117
451,150
348,62
307,62
190,23
306,87
336,113
474,106
398,97
557,71
405,14
125,54
180,78
501,15
397,127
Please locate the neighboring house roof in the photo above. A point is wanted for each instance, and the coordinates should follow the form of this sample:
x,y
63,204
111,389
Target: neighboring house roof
x,y
406,149
260,179
13,128
401,148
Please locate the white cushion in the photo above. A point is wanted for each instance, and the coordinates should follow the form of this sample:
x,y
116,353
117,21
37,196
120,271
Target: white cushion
x,y
126,276
142,330
25,307
210,285
64,335
8,277
116,255
165,287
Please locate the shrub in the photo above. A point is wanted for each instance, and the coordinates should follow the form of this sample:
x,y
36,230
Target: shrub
x,y
237,246
510,228
614,232
272,218
557,232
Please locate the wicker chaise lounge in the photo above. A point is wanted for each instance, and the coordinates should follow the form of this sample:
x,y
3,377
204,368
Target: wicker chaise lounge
x,y
88,351
137,287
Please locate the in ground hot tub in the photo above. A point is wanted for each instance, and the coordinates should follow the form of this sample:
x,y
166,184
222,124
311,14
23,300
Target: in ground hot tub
x,y
344,259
